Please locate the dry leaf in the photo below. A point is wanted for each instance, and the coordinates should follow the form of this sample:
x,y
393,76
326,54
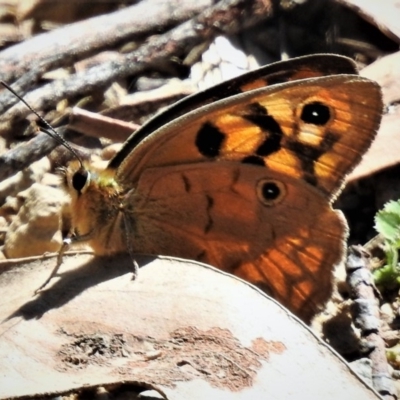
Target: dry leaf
x,y
182,328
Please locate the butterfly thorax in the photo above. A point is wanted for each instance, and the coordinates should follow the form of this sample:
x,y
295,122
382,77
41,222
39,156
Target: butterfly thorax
x,y
96,208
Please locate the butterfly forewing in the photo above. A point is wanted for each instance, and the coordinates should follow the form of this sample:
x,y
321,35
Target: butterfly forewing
x,y
316,129
275,73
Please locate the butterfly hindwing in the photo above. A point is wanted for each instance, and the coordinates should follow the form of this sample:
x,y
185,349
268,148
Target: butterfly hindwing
x,y
257,224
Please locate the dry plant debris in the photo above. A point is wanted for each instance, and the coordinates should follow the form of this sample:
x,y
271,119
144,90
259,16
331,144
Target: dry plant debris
x,y
103,68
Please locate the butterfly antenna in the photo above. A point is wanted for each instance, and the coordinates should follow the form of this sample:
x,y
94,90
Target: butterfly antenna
x,y
50,130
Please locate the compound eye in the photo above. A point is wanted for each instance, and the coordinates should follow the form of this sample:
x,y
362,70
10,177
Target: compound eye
x,y
80,180
270,191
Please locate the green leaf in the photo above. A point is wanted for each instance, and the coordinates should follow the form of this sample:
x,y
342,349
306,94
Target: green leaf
x,y
386,277
387,221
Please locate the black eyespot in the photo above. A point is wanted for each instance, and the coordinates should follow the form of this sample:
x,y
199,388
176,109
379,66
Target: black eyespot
x,y
315,113
209,140
270,192
80,179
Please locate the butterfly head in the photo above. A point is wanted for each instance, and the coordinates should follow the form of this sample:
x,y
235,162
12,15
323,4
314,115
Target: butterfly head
x,y
95,206
81,179
76,178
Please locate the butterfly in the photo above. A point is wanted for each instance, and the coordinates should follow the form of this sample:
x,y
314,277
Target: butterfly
x,y
240,176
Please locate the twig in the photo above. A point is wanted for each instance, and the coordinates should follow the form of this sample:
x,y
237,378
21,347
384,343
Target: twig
x,y
97,125
27,153
366,318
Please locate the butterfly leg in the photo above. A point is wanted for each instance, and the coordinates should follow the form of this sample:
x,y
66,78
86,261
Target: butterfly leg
x,y
70,239
128,238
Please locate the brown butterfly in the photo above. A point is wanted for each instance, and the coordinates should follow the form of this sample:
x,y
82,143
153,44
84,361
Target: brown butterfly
x,y
240,176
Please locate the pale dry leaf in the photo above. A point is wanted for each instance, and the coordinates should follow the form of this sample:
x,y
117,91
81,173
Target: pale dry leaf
x,y
385,150
183,328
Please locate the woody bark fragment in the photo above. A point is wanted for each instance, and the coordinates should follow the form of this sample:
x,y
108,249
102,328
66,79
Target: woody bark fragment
x,y
366,317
